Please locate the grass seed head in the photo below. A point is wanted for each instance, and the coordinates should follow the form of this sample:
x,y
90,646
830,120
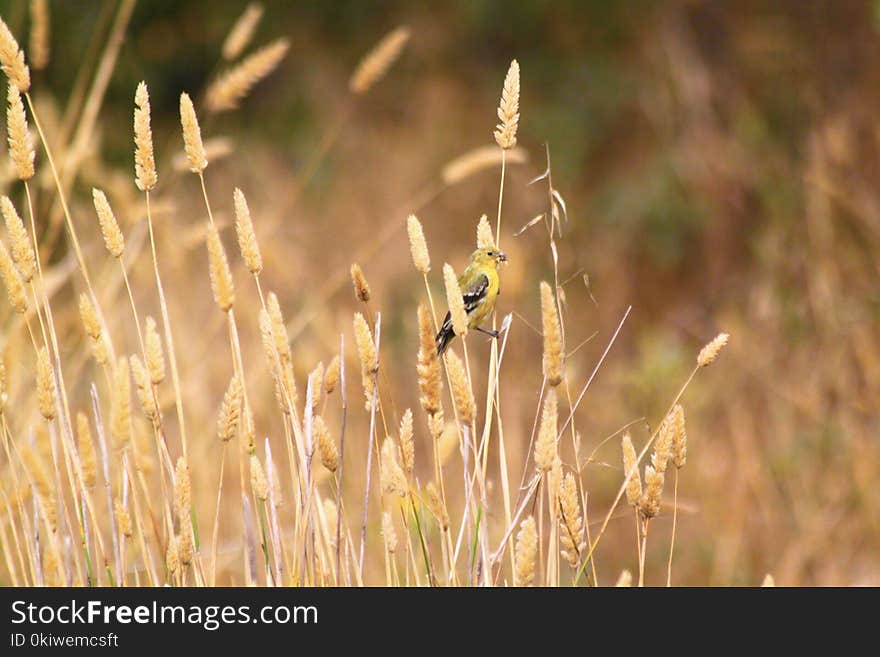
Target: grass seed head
x,y
21,149
376,63
554,352
218,267
455,300
508,109
231,86
247,238
710,352
630,465
12,60
526,552
20,247
192,135
545,446
144,160
113,238
417,245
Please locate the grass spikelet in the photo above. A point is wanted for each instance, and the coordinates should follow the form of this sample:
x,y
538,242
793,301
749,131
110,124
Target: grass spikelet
x,y
649,505
630,460
144,390
185,546
316,377
279,329
234,84
123,518
456,301
172,556
572,524
367,354
12,60
326,447
242,31
20,246
88,459
388,533
12,281
120,421
436,506
230,411
508,109
679,437
485,239
663,444
545,445
331,376
89,318
479,159
39,38
46,390
218,267
42,484
359,281
182,492
144,160
375,64
417,245
526,552
462,393
393,479
20,148
244,229
428,367
407,445
101,351
710,352
113,238
154,353
625,579
192,135
554,351
259,483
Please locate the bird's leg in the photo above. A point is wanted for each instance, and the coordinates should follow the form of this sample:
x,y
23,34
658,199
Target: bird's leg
x,y
493,333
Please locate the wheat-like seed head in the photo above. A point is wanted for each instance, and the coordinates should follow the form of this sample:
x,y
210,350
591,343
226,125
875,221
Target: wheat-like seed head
x,y
526,552
479,159
172,556
407,445
122,518
649,505
182,492
20,246
367,354
326,446
88,316
359,282
393,479
20,148
192,135
46,390
331,376
230,410
709,353
154,353
663,444
545,446
120,420
39,41
185,545
679,437
144,160
508,109
455,300
571,522
436,506
417,244
247,238
437,427
316,377
100,350
113,238
279,328
12,60
388,533
259,483
218,267
462,393
85,448
625,579
42,484
376,63
428,367
242,31
12,280
630,465
554,350
235,83
144,390
485,239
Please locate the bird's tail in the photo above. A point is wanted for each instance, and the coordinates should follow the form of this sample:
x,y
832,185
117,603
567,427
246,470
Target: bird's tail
x,y
444,335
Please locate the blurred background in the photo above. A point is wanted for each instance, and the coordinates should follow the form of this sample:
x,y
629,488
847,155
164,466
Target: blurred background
x,y
718,162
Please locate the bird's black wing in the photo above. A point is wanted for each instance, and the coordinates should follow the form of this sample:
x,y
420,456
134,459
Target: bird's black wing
x,y
475,294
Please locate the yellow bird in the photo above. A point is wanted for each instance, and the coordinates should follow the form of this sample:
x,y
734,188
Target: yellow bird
x,y
480,287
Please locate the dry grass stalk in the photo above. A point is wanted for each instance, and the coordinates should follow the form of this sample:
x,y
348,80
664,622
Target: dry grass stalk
x,y
192,135
88,458
526,552
554,351
508,109
631,471
12,280
40,29
428,367
462,393
46,390
21,149
417,244
375,64
709,353
242,31
247,238
113,238
545,445
388,533
259,483
12,60
455,300
436,506
153,352
367,353
326,447
20,246
145,176
479,159
359,282
218,267
393,480
120,421
230,411
232,85
331,376
485,238
572,524
407,445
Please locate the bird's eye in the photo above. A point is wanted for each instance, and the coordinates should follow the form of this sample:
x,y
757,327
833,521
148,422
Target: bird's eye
x,y
491,254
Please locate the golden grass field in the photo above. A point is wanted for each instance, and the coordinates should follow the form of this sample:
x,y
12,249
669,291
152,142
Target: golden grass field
x,y
218,360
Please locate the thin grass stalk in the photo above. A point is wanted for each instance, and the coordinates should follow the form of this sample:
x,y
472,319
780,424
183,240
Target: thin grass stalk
x,y
371,437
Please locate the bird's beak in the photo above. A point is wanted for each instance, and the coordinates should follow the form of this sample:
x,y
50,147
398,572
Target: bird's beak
x,y
502,256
